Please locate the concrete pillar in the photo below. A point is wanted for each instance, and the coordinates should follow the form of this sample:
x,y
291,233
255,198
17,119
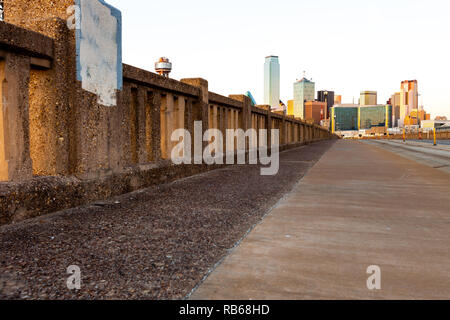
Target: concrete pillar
x,y
152,125
300,133
52,107
237,125
227,122
215,115
15,160
293,135
292,132
254,125
49,122
246,110
189,120
29,14
245,122
223,126
142,124
137,124
283,132
181,109
133,119
72,134
288,132
269,127
201,106
167,124
188,116
179,115
303,133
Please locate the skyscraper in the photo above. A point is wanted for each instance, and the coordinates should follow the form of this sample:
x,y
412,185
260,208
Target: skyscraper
x,y
368,98
375,116
344,117
395,103
272,82
328,97
409,98
304,90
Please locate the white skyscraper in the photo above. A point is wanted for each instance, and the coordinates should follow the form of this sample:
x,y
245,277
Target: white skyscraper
x,y
272,82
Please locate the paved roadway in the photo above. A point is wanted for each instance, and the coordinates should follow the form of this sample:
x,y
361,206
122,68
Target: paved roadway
x,y
439,142
437,157
361,205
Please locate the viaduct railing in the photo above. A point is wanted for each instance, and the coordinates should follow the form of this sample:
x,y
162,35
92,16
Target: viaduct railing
x,y
43,133
56,140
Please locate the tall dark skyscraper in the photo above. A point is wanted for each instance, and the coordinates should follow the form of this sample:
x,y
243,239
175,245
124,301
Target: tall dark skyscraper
x,y
328,97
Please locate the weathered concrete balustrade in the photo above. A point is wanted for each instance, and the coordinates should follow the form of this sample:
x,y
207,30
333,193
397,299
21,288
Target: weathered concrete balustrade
x,y
59,148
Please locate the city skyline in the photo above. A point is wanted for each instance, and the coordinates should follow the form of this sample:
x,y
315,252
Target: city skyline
x,y
405,42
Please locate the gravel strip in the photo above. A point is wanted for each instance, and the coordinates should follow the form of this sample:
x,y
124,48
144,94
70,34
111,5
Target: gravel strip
x,y
156,243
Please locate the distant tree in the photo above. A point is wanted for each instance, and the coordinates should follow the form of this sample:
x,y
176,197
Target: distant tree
x,y
441,118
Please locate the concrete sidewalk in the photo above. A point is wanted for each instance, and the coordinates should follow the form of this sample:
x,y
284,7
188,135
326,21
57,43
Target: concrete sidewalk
x,y
359,206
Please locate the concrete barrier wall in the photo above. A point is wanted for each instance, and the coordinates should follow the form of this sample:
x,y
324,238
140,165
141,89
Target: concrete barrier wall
x,y
55,136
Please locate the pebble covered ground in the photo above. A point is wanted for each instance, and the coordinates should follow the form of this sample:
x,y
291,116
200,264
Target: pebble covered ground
x,y
156,243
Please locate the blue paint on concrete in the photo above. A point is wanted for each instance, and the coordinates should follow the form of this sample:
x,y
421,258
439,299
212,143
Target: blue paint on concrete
x,y
79,37
118,15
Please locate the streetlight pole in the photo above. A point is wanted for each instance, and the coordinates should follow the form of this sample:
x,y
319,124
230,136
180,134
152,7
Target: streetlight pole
x,y
419,119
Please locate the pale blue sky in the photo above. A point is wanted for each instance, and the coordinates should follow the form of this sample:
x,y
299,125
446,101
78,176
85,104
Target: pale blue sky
x,y
346,45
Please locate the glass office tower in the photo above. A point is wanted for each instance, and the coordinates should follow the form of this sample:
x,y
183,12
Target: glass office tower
x,y
304,90
272,82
